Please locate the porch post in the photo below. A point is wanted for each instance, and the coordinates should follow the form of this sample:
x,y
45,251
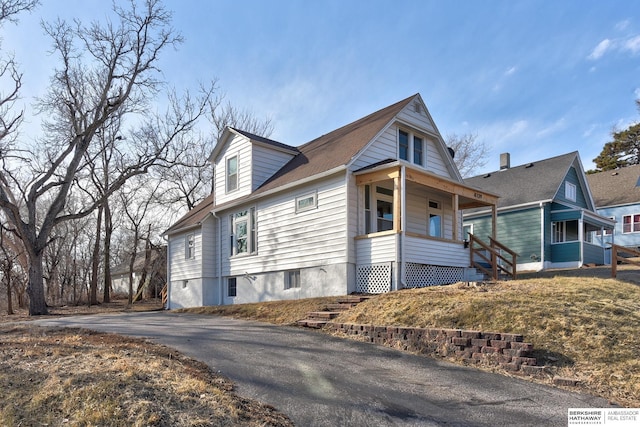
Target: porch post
x,y
494,222
455,216
397,201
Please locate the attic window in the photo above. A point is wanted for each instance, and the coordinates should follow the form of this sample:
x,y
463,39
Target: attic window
x,y
570,191
307,202
232,173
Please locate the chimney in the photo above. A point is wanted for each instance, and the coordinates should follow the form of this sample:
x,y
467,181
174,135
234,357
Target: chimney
x,y
505,161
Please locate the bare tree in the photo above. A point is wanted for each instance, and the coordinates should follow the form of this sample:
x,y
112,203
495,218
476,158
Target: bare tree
x,y
105,70
190,181
470,154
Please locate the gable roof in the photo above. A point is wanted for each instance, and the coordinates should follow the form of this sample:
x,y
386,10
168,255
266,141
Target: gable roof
x,y
532,182
335,148
616,187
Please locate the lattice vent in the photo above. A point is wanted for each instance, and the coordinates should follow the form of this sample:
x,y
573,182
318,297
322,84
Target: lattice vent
x,y
373,278
421,275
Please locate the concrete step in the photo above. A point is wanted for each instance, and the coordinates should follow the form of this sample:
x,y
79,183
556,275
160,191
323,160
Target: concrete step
x,y
339,306
310,323
353,299
323,315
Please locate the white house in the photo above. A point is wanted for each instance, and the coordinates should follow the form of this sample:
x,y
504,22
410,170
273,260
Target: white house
x,y
373,206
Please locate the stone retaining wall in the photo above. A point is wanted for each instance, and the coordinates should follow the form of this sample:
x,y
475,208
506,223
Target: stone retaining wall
x,y
506,350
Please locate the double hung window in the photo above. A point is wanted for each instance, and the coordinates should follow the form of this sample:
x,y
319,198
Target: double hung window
x,y
232,173
243,232
631,223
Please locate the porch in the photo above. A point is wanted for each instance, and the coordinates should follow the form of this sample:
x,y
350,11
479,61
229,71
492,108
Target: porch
x,y
410,228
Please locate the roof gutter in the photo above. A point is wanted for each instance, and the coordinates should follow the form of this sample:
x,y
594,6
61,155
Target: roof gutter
x,y
509,208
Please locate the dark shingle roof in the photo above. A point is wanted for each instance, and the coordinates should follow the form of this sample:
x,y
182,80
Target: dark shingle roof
x,y
194,217
528,183
335,148
616,187
267,141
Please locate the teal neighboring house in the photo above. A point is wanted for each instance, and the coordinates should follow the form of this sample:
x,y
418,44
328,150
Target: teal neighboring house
x,y
545,213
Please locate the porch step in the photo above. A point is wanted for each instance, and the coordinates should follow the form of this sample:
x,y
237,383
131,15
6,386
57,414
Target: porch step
x,y
322,315
317,319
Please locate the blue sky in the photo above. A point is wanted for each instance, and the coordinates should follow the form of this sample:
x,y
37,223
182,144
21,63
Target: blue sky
x,y
533,78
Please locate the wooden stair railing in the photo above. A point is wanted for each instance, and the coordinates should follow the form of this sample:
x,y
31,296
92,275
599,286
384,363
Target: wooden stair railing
x,y
165,294
616,251
495,254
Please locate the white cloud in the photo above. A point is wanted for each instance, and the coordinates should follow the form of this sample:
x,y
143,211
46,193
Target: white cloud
x,y
510,71
553,128
622,25
632,45
600,49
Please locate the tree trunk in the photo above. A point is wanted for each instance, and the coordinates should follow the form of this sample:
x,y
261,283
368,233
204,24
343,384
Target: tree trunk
x,y
9,303
95,263
147,263
108,230
132,264
35,289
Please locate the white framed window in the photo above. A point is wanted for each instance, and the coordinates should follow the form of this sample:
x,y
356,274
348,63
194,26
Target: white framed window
x,y
232,288
403,145
411,147
243,238
292,279
367,209
307,202
564,231
570,191
418,151
384,209
232,174
631,223
190,246
434,213
466,230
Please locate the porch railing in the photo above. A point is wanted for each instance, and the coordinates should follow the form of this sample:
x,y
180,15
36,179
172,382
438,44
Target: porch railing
x,y
165,294
617,253
492,258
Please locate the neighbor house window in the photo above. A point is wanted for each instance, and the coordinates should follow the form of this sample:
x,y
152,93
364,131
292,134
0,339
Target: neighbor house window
x,y
232,173
306,202
292,279
570,191
232,287
418,150
403,145
564,231
190,246
435,218
631,223
243,232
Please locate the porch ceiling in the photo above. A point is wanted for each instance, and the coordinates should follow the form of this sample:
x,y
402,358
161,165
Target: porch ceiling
x,y
468,197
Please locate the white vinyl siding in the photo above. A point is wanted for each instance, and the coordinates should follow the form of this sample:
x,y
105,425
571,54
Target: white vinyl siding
x,y
287,240
208,248
386,147
266,162
241,147
185,268
435,252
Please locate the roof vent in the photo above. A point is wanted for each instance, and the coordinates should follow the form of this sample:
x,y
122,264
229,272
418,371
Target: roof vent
x,y
417,107
530,165
487,175
614,174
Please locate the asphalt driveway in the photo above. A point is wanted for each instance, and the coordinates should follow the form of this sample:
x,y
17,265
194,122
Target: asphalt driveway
x,y
319,380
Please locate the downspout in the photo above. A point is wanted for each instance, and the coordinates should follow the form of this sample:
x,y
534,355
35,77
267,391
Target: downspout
x,y
544,233
219,257
168,274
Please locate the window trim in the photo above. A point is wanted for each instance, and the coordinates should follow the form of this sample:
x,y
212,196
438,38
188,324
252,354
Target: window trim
x,y
437,211
421,153
634,226
190,246
312,205
402,145
411,147
570,191
563,231
249,216
230,281
288,282
228,175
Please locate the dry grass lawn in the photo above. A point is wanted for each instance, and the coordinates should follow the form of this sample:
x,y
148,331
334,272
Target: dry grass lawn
x,y
72,377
